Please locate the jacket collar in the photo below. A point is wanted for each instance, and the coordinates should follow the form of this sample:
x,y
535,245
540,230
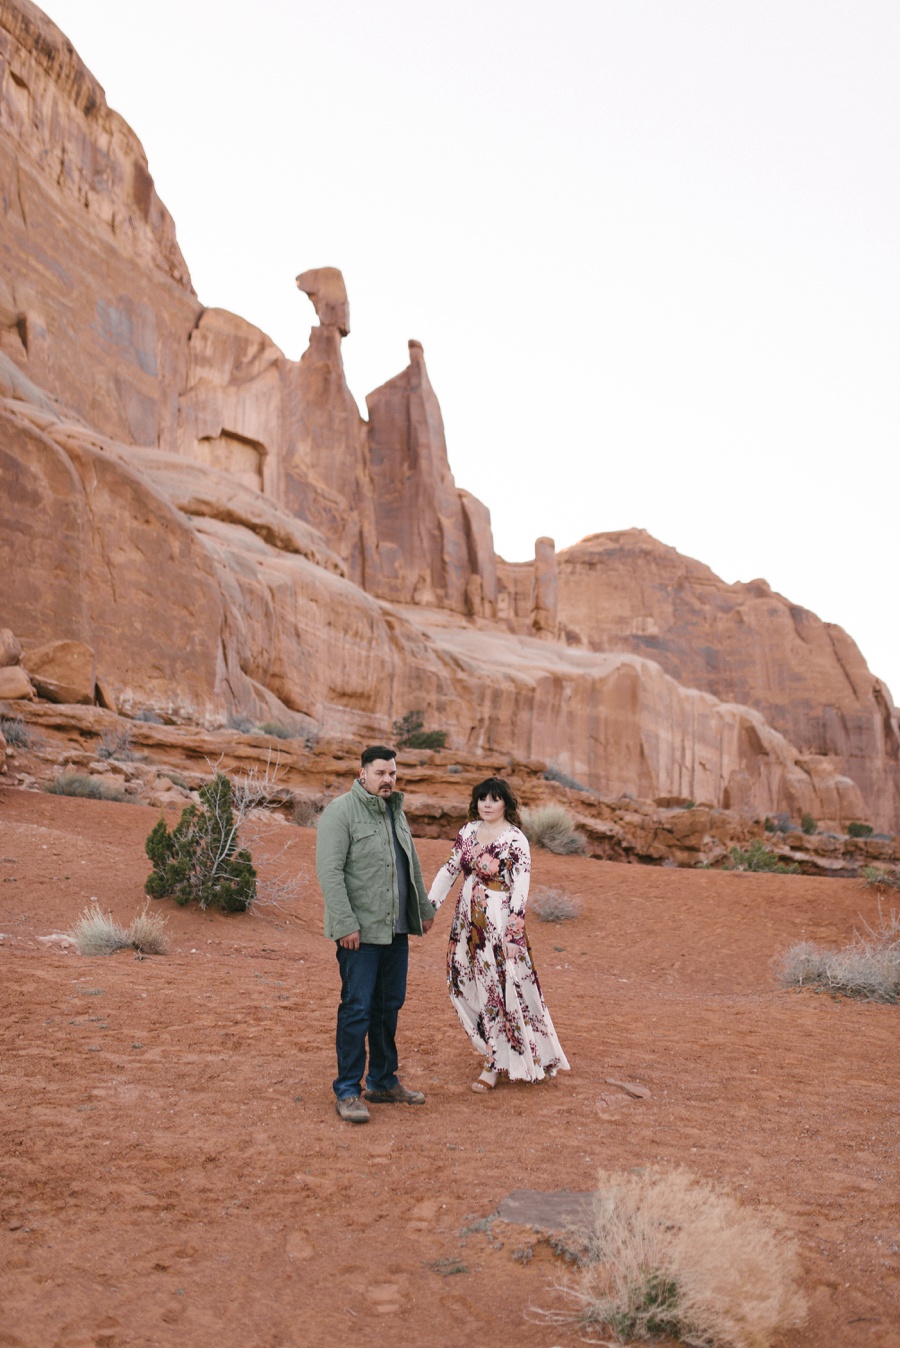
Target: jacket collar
x,y
372,802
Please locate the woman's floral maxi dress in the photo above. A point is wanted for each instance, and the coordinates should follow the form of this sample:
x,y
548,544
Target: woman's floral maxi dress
x,y
497,998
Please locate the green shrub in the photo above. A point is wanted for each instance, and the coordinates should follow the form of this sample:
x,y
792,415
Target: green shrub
x,y
857,830
553,828
758,857
408,733
199,860
90,788
808,824
16,732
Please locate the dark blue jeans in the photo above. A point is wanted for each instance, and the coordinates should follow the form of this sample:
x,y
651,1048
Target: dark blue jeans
x,y
373,989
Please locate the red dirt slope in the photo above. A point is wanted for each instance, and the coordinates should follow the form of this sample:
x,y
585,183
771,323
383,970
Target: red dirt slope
x,y
173,1171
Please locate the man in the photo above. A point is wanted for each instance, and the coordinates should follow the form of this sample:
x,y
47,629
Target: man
x,y
374,897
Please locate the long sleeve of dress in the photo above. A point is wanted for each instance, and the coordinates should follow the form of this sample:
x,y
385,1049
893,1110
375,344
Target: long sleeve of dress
x,y
443,881
519,872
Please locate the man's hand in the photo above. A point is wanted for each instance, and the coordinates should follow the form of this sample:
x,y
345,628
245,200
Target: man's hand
x,y
427,924
350,942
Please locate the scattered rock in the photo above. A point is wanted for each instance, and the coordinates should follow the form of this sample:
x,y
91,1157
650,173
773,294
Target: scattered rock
x,y
15,684
630,1088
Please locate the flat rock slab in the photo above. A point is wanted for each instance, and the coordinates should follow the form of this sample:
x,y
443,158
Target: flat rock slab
x,y
559,1210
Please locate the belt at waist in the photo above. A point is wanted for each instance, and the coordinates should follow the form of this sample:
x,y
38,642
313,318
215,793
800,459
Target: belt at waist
x,y
496,886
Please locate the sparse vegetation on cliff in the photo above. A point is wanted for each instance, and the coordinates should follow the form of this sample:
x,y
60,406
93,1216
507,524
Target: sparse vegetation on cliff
x,y
199,861
90,788
16,732
758,857
869,967
857,830
671,1255
877,877
409,734
553,828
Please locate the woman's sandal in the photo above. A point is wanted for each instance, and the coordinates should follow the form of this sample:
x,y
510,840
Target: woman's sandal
x,y
482,1084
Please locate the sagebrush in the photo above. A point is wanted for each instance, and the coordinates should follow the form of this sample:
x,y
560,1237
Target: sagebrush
x,y
200,860
670,1254
868,967
880,877
553,828
553,905
87,787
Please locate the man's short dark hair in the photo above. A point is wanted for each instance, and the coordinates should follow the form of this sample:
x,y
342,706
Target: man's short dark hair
x,y
376,751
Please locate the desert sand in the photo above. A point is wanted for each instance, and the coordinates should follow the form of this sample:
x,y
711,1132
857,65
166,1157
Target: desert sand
x,y
174,1172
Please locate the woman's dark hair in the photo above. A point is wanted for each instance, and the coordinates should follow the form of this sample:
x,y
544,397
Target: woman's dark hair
x,y
500,789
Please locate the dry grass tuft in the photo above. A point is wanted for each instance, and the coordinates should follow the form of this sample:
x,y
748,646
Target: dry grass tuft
x,y
97,933
670,1254
880,877
147,933
869,967
553,828
87,787
553,905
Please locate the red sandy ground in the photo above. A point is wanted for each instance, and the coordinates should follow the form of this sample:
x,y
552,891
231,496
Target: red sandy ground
x,y
173,1171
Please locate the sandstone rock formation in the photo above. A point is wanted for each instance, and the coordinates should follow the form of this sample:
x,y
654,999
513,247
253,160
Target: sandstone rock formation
x,y
429,549
228,536
744,643
63,671
325,287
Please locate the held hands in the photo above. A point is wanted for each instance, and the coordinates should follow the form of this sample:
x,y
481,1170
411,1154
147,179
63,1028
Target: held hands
x,y
351,942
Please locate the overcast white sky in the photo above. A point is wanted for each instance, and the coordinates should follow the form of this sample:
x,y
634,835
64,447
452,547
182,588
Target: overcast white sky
x,y
650,247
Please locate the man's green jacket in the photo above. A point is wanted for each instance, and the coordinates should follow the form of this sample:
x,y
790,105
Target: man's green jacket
x,y
357,868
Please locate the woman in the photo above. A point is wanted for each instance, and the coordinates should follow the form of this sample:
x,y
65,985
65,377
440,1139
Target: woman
x,y
492,979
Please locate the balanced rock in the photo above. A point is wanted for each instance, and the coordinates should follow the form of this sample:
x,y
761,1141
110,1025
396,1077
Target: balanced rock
x,y
63,671
325,287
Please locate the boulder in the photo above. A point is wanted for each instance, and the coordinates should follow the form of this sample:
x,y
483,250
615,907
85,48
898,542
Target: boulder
x,y
14,684
63,671
10,648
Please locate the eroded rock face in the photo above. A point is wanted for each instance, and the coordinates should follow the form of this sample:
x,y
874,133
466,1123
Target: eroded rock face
x,y
422,528
745,644
96,301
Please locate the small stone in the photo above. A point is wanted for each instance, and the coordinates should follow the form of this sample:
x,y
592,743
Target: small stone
x,y
630,1088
